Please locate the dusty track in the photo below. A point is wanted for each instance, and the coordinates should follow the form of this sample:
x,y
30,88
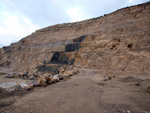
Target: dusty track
x,y
83,93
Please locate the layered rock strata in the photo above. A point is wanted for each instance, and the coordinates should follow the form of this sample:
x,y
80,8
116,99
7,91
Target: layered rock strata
x,y
119,41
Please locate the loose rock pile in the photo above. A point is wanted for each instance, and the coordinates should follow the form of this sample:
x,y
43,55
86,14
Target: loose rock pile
x,y
36,81
25,75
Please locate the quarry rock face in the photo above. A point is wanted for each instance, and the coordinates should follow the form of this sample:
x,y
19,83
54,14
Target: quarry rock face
x,y
117,42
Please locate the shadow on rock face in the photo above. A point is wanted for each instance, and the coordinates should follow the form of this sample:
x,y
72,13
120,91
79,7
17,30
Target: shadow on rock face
x,y
80,39
49,69
61,58
76,45
72,47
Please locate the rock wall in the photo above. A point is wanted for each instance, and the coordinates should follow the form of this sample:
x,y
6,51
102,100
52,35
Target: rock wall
x,y
119,41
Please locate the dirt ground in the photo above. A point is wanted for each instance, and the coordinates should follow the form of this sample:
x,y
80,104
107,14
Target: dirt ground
x,y
82,93
3,79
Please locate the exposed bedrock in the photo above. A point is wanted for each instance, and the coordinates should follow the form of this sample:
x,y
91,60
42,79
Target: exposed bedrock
x,y
119,41
80,39
53,69
72,47
62,58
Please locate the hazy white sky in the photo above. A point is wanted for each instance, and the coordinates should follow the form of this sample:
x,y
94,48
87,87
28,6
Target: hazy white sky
x,y
19,18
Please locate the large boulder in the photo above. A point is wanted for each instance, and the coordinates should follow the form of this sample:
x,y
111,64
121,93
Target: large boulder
x,y
25,86
34,83
60,76
69,72
41,81
8,87
55,79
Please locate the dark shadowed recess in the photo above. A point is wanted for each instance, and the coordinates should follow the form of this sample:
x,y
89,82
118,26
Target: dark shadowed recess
x,y
61,58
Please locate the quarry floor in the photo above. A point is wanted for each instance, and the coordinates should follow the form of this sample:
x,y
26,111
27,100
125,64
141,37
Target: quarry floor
x,y
82,93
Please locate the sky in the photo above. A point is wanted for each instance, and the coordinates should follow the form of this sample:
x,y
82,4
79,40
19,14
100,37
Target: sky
x,y
19,18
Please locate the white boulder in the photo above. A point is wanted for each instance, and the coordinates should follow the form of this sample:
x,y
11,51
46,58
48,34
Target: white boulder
x,y
24,86
8,87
